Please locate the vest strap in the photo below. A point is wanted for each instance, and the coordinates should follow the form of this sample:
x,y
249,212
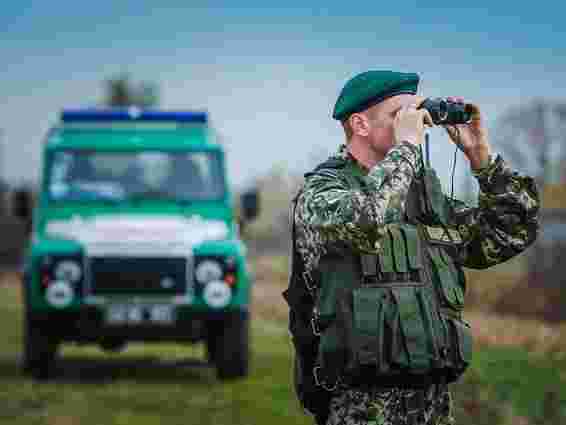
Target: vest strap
x,y
321,382
393,278
369,265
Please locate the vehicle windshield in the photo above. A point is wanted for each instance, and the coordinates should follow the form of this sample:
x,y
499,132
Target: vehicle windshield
x,y
78,175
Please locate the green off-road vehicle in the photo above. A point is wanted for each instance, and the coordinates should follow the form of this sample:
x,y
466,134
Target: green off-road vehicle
x,y
135,239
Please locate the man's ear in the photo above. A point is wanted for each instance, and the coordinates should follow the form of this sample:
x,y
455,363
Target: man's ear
x,y
359,124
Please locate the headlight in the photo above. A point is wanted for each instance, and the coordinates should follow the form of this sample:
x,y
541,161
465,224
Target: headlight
x,y
207,271
217,294
68,271
60,294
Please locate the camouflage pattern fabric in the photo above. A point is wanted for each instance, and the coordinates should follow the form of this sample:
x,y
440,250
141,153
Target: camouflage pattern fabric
x,y
392,406
329,211
506,221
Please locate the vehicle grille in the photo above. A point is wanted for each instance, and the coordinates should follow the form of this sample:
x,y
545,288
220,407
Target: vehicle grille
x,y
137,276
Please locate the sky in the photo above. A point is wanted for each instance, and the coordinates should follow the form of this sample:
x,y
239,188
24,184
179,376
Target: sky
x,y
268,74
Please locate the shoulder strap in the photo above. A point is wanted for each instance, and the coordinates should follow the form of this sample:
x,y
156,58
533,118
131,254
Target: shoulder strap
x,y
305,342
297,296
331,163
297,266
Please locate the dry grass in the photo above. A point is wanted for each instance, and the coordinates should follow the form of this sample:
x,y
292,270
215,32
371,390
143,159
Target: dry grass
x,y
530,334
512,294
484,288
9,278
271,269
271,275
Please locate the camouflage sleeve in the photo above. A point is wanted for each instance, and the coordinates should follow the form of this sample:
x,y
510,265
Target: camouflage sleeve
x,y
506,220
329,210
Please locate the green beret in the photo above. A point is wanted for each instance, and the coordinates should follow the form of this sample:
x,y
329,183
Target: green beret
x,y
371,87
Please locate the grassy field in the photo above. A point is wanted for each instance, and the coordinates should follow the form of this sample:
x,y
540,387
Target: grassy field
x,y
148,384
171,384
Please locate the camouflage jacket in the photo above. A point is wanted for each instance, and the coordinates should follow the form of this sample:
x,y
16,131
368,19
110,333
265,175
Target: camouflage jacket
x,y
328,210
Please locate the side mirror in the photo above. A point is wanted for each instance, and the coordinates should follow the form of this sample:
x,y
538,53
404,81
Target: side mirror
x,y
249,202
22,206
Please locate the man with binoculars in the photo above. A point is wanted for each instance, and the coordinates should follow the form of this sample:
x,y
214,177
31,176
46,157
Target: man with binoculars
x,y
377,288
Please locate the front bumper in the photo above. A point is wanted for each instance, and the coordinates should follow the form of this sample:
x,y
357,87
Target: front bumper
x,y
88,325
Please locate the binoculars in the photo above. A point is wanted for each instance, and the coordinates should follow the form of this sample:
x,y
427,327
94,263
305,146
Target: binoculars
x,y
444,112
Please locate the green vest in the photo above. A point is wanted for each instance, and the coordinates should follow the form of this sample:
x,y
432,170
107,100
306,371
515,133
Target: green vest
x,y
392,316
395,314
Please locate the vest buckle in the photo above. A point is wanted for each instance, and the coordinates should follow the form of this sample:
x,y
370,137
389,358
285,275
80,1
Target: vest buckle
x,y
308,282
314,324
321,383
314,327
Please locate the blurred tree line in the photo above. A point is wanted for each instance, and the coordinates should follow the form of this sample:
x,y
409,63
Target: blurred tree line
x,y
122,91
533,137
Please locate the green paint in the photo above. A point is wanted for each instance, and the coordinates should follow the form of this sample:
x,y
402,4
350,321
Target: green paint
x,y
80,141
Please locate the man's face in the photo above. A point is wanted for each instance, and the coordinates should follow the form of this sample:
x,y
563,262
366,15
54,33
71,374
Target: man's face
x,y
381,117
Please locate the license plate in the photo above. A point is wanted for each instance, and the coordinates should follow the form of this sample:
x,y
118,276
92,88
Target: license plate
x,y
136,314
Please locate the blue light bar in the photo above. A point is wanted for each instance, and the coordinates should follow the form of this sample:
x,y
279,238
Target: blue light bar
x,y
131,115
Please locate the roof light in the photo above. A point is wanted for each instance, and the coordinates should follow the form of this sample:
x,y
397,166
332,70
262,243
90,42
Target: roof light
x,y
132,114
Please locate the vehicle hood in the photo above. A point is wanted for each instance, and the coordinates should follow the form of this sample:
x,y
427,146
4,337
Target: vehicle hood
x,y
126,234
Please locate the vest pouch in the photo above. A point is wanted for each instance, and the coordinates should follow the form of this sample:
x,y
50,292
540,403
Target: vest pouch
x,y
331,355
446,278
399,249
335,319
461,343
413,242
392,327
414,341
371,306
386,256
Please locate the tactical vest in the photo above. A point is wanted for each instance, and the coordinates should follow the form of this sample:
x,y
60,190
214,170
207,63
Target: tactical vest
x,y
387,317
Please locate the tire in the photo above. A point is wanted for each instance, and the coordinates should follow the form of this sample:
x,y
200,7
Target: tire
x,y
213,328
228,346
39,349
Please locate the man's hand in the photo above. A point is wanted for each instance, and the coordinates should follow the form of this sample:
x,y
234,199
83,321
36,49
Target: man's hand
x,y
409,124
471,137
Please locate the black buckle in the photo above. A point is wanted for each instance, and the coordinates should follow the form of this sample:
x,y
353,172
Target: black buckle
x,y
394,277
308,282
319,382
314,326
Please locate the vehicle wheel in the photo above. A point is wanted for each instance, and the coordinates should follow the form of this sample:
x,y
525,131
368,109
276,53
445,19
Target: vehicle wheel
x,y
212,331
40,349
228,346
